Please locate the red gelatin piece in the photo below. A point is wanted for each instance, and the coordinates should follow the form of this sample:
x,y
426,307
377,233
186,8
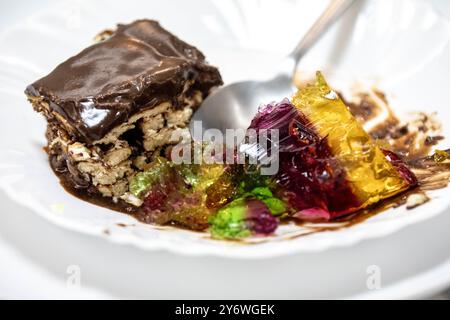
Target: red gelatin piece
x,y
259,219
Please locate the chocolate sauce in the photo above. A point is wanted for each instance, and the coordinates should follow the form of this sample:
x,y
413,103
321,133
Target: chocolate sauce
x,y
139,66
91,195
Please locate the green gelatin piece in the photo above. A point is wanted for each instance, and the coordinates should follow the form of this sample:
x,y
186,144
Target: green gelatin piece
x,y
252,179
440,155
189,174
200,177
229,221
275,205
141,182
262,192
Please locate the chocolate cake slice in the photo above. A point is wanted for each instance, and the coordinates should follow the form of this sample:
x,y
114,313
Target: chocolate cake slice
x,y
118,104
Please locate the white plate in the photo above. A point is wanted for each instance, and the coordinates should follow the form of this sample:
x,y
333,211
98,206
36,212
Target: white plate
x,y
402,47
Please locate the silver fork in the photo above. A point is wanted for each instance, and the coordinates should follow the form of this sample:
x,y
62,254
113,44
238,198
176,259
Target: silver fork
x,y
234,105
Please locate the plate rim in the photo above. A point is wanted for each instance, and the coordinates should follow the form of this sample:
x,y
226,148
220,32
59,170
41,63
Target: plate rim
x,y
229,252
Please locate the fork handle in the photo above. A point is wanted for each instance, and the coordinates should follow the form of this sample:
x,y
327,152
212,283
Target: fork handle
x,y
334,10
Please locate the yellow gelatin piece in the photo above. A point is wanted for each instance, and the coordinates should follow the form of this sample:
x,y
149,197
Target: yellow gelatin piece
x,y
371,177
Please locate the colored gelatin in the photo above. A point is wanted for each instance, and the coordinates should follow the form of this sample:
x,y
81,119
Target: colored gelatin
x,y
308,173
370,174
328,165
175,193
243,217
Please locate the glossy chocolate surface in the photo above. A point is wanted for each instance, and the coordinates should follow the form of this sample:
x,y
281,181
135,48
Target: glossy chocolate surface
x,y
139,66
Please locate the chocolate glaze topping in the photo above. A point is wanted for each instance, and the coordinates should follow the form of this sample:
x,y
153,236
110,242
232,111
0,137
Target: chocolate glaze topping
x,y
138,67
